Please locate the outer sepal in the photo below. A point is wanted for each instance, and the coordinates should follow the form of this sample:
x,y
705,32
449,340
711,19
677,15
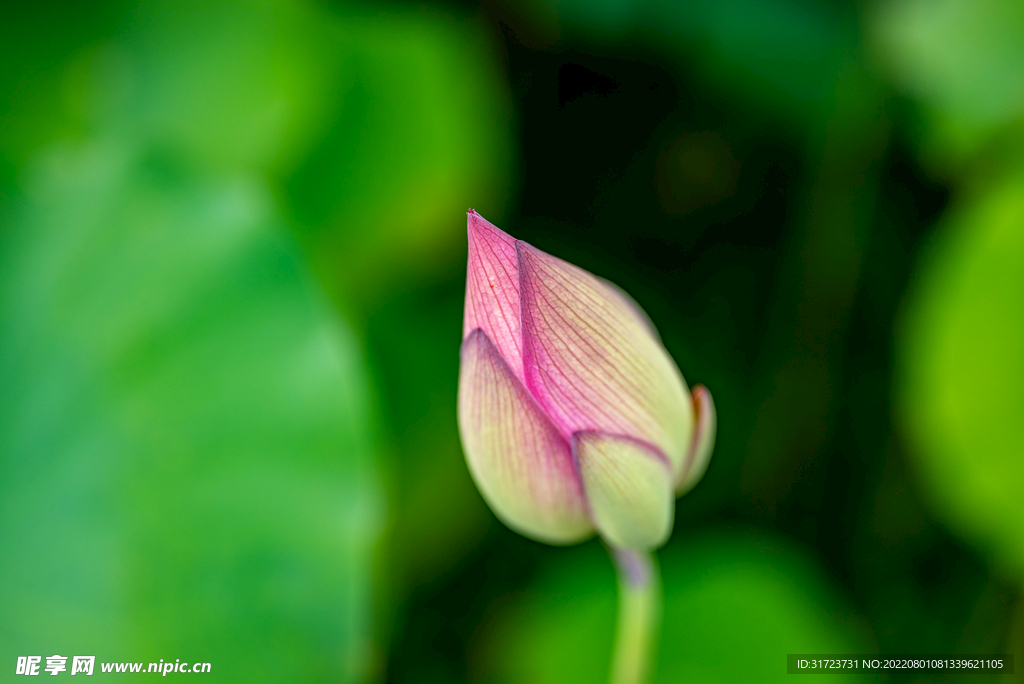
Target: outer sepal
x,y
629,488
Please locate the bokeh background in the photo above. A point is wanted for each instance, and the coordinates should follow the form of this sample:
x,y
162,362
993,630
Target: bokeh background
x,y
231,280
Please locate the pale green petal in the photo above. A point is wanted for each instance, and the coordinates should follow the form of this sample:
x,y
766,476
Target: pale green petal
x,y
520,462
629,489
705,426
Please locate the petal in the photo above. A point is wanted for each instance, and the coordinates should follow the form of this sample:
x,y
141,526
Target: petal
x,y
638,313
518,459
492,289
705,426
591,360
629,488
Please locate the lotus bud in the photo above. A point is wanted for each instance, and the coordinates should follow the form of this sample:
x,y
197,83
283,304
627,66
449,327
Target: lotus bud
x,y
573,416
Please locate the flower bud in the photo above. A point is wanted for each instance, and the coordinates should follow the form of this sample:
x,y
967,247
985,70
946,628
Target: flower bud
x,y
573,416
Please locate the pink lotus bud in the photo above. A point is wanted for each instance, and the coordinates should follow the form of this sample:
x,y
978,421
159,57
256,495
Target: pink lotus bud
x,y
573,416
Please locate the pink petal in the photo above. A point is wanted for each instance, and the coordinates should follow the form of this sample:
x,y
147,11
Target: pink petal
x,y
592,362
703,442
629,488
492,289
520,462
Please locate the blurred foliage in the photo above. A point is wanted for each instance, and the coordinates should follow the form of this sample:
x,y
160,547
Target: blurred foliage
x,y
963,398
393,121
412,337
963,61
962,334
420,132
734,603
187,465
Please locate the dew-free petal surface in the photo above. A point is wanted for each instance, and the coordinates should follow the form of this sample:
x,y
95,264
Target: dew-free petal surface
x,y
518,459
492,289
592,362
704,429
735,603
628,487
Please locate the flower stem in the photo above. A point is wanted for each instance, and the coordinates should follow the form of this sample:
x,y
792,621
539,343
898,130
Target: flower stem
x,y
639,615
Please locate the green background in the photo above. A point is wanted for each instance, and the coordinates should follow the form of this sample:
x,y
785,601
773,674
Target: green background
x,y
232,267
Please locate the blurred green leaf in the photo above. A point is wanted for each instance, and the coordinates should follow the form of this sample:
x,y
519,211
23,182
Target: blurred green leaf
x,y
962,369
40,69
735,605
415,340
420,131
962,59
382,126
232,84
186,469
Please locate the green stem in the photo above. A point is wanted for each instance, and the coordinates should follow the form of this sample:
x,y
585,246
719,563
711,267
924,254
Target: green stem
x,y
639,615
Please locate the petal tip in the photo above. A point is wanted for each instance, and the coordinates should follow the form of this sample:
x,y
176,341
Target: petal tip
x,y
703,441
487,238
